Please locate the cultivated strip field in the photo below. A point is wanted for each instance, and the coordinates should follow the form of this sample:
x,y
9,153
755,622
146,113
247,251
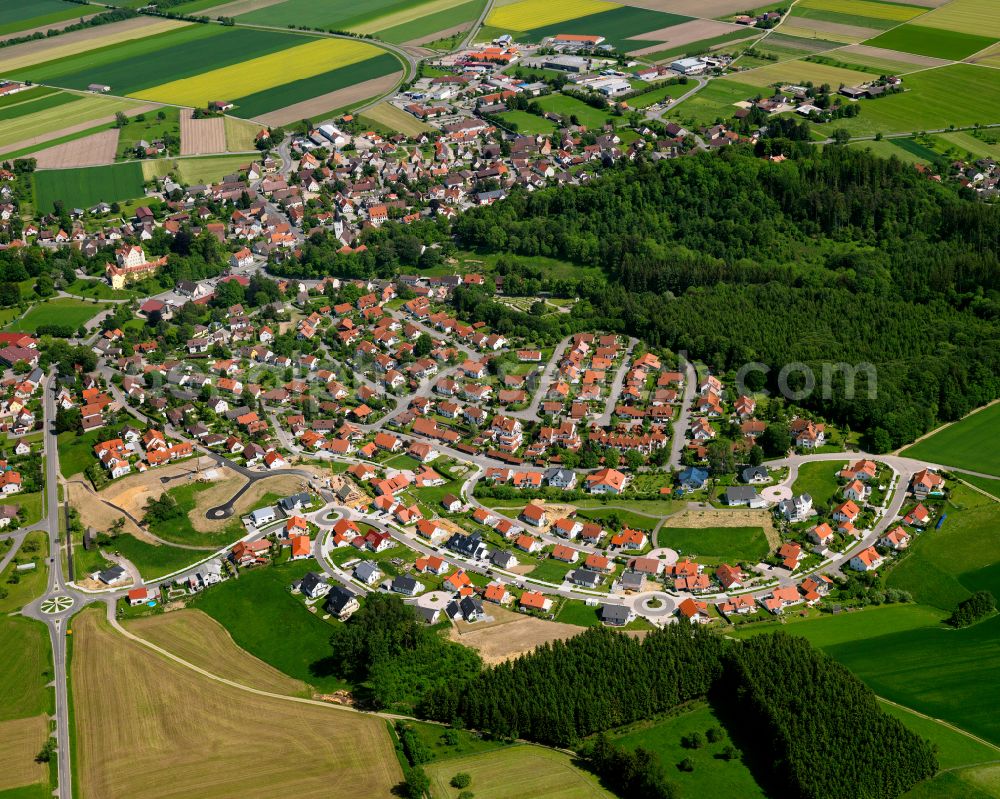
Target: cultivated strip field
x,y
44,126
686,33
527,15
144,722
198,638
24,16
82,188
343,98
70,44
395,118
240,135
202,136
937,42
799,71
969,443
94,150
980,17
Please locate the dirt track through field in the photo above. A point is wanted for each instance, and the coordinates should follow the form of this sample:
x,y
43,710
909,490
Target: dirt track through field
x,y
202,136
148,725
95,150
332,101
22,55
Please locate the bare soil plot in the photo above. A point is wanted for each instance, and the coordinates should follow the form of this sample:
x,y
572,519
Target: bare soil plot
x,y
679,35
96,150
202,136
198,638
433,37
891,55
23,55
148,726
510,634
332,101
727,518
93,512
20,741
133,492
834,29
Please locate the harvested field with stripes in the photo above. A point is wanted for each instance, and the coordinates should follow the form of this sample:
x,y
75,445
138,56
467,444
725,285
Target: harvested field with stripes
x,y
334,101
20,741
144,721
202,136
97,149
83,114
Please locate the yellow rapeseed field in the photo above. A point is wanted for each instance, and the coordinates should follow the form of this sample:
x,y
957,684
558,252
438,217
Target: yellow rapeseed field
x,y
526,15
265,72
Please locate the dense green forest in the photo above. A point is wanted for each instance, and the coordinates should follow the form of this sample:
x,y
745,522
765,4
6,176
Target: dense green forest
x,y
822,728
818,727
832,256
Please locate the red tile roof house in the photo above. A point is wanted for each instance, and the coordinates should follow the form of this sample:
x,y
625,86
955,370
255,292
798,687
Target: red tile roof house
x,y
694,611
534,515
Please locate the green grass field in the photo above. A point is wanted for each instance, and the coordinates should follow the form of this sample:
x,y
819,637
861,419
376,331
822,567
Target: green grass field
x,y
990,486
714,101
26,96
934,42
962,95
818,480
152,561
97,289
712,776
516,772
25,668
968,444
87,186
59,311
43,103
22,15
51,120
432,23
150,129
262,616
568,107
945,566
712,545
329,14
529,123
76,453
659,94
180,530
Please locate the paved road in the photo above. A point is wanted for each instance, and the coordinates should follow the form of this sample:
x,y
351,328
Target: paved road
x,y
679,439
604,420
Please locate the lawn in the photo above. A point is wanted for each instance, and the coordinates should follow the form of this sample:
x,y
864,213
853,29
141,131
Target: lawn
x,y
25,668
968,444
935,42
516,772
622,517
713,545
945,566
21,15
466,743
154,561
713,101
76,452
98,290
818,480
150,129
523,122
990,486
87,186
569,107
59,311
143,722
551,570
180,531
263,617
712,776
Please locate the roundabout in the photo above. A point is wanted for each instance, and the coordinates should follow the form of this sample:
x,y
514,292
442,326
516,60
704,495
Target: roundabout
x,y
653,605
776,493
54,605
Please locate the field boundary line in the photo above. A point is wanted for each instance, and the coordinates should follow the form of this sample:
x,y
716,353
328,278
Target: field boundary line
x,y
982,491
944,723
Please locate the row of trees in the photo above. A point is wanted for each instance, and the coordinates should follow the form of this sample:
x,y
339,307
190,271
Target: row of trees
x,y
817,725
567,690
